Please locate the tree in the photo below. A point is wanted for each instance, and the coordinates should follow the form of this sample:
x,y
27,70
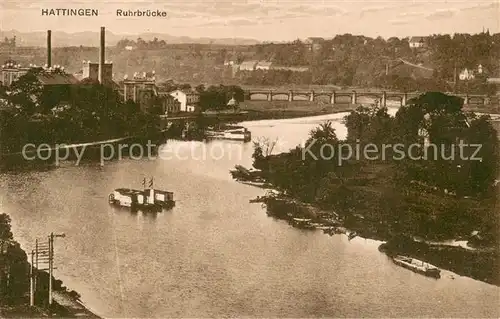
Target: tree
x,y
200,88
216,97
263,148
26,93
482,173
5,231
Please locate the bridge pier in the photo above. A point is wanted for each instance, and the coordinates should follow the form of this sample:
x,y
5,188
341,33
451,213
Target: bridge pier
x,y
332,98
354,99
466,99
290,96
384,99
311,96
270,96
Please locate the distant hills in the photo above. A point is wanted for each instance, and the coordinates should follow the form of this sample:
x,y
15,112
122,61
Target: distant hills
x,y
91,39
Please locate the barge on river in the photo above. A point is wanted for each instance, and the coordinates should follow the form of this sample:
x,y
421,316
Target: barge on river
x,y
230,132
417,266
149,199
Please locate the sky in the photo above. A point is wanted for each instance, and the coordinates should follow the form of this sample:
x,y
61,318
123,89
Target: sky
x,y
264,20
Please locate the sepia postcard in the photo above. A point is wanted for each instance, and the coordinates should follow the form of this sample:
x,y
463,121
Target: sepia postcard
x,y
250,159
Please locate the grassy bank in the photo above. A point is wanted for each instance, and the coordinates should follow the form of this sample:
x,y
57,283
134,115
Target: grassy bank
x,y
262,110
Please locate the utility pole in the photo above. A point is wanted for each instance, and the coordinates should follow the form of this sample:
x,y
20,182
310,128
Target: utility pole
x,y
40,255
32,280
36,263
51,263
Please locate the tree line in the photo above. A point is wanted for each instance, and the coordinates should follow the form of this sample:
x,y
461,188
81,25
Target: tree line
x,y
350,60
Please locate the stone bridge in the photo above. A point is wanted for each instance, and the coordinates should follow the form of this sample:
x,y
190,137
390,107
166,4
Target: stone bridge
x,y
381,96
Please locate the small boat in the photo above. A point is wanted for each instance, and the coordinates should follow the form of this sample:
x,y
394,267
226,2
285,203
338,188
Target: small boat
x,y
258,199
417,266
149,199
235,133
304,223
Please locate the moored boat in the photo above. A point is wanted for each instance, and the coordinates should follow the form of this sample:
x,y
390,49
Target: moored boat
x,y
417,266
235,133
304,223
149,199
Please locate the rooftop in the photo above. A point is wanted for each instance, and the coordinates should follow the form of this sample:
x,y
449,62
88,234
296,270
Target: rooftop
x,y
264,63
417,39
251,62
56,78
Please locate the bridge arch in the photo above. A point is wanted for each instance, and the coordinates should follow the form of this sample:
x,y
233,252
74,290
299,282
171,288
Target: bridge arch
x,y
370,95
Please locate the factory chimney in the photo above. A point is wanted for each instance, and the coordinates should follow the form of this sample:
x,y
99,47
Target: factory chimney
x,y
102,56
49,48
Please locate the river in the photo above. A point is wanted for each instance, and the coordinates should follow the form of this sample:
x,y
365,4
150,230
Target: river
x,y
215,254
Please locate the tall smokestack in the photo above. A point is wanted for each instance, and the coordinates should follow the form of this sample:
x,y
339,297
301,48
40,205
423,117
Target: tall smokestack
x,y
49,48
102,55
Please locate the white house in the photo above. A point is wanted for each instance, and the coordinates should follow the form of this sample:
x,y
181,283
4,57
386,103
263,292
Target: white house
x,y
417,42
262,65
248,65
187,99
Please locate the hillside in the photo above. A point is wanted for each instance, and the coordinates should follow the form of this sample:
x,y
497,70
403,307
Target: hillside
x,y
345,61
59,38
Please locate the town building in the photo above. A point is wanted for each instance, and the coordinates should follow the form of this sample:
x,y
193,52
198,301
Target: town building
x,y
169,104
10,72
139,89
314,44
248,65
49,76
290,68
417,42
262,65
188,99
90,71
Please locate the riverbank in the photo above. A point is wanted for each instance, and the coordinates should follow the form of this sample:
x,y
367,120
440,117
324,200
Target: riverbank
x,y
264,110
15,285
